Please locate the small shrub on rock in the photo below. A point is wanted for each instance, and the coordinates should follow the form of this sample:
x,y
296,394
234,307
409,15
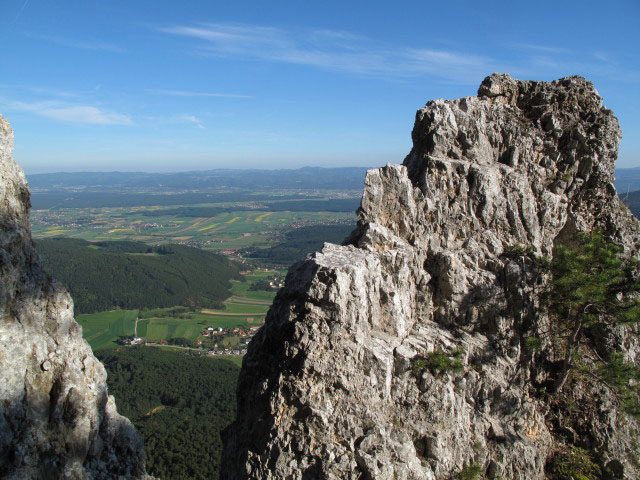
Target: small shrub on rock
x,y
438,362
473,471
574,464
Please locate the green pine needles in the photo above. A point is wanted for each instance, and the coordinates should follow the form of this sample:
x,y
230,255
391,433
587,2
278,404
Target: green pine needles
x,y
574,464
592,284
473,471
439,362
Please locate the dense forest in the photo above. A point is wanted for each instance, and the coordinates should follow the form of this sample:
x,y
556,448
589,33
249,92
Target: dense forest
x,y
300,242
179,403
102,276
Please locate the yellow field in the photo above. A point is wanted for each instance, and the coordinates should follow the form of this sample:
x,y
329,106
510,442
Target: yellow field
x,y
234,219
208,227
260,217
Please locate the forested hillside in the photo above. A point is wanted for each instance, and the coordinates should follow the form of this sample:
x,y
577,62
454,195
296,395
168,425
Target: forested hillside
x,y
300,242
105,275
179,404
632,200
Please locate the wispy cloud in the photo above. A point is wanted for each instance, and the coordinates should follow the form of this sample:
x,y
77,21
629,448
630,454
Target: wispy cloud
x,y
80,44
39,90
331,50
79,114
86,115
542,48
355,54
191,119
15,19
184,93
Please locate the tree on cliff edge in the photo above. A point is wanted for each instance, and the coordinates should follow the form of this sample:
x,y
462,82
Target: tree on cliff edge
x,y
592,285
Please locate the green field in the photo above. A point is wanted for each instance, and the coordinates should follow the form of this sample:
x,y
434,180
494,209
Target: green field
x,y
242,289
225,231
102,329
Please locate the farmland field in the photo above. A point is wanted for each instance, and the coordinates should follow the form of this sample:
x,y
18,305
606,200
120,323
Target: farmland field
x,y
244,309
230,230
258,219
102,328
241,290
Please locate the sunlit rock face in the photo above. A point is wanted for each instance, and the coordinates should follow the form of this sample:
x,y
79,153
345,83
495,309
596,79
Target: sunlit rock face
x,y
56,418
328,388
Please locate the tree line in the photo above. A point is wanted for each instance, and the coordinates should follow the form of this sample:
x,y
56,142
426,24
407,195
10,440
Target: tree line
x,y
130,275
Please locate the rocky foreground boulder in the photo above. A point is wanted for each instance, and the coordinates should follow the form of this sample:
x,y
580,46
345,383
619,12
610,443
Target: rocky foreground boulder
x,y
56,417
442,262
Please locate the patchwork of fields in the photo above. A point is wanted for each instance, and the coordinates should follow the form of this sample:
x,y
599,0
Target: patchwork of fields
x,y
246,308
244,225
224,231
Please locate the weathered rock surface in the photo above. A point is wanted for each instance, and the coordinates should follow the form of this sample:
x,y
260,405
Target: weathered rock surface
x,y
327,388
56,418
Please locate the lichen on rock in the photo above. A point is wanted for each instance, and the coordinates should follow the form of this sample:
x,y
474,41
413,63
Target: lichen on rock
x,y
56,417
329,387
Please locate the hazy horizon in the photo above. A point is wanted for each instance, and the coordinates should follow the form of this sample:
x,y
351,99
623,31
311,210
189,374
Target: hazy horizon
x,y
168,172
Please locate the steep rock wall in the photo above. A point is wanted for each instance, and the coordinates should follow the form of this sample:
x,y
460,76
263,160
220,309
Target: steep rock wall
x,y
327,388
56,417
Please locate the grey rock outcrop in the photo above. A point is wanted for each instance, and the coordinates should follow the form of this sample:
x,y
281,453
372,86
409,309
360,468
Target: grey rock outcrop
x,y
327,388
56,417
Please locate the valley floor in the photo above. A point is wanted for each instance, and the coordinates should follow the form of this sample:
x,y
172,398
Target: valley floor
x,y
246,308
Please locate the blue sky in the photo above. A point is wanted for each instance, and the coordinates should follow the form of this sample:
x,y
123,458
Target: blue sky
x,y
167,86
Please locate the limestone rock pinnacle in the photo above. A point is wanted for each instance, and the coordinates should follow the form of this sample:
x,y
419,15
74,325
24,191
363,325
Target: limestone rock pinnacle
x,y
328,388
56,417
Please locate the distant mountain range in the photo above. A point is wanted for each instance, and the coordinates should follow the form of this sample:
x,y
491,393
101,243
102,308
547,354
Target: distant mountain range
x,y
126,188
632,200
345,178
627,179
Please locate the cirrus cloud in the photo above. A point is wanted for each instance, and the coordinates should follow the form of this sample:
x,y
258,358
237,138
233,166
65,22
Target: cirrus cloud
x,y
79,114
87,115
332,50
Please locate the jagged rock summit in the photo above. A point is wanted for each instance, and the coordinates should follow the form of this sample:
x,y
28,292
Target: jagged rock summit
x,y
329,388
56,418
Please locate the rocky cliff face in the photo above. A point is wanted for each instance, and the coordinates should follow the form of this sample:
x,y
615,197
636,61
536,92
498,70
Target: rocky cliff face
x,y
328,388
56,418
